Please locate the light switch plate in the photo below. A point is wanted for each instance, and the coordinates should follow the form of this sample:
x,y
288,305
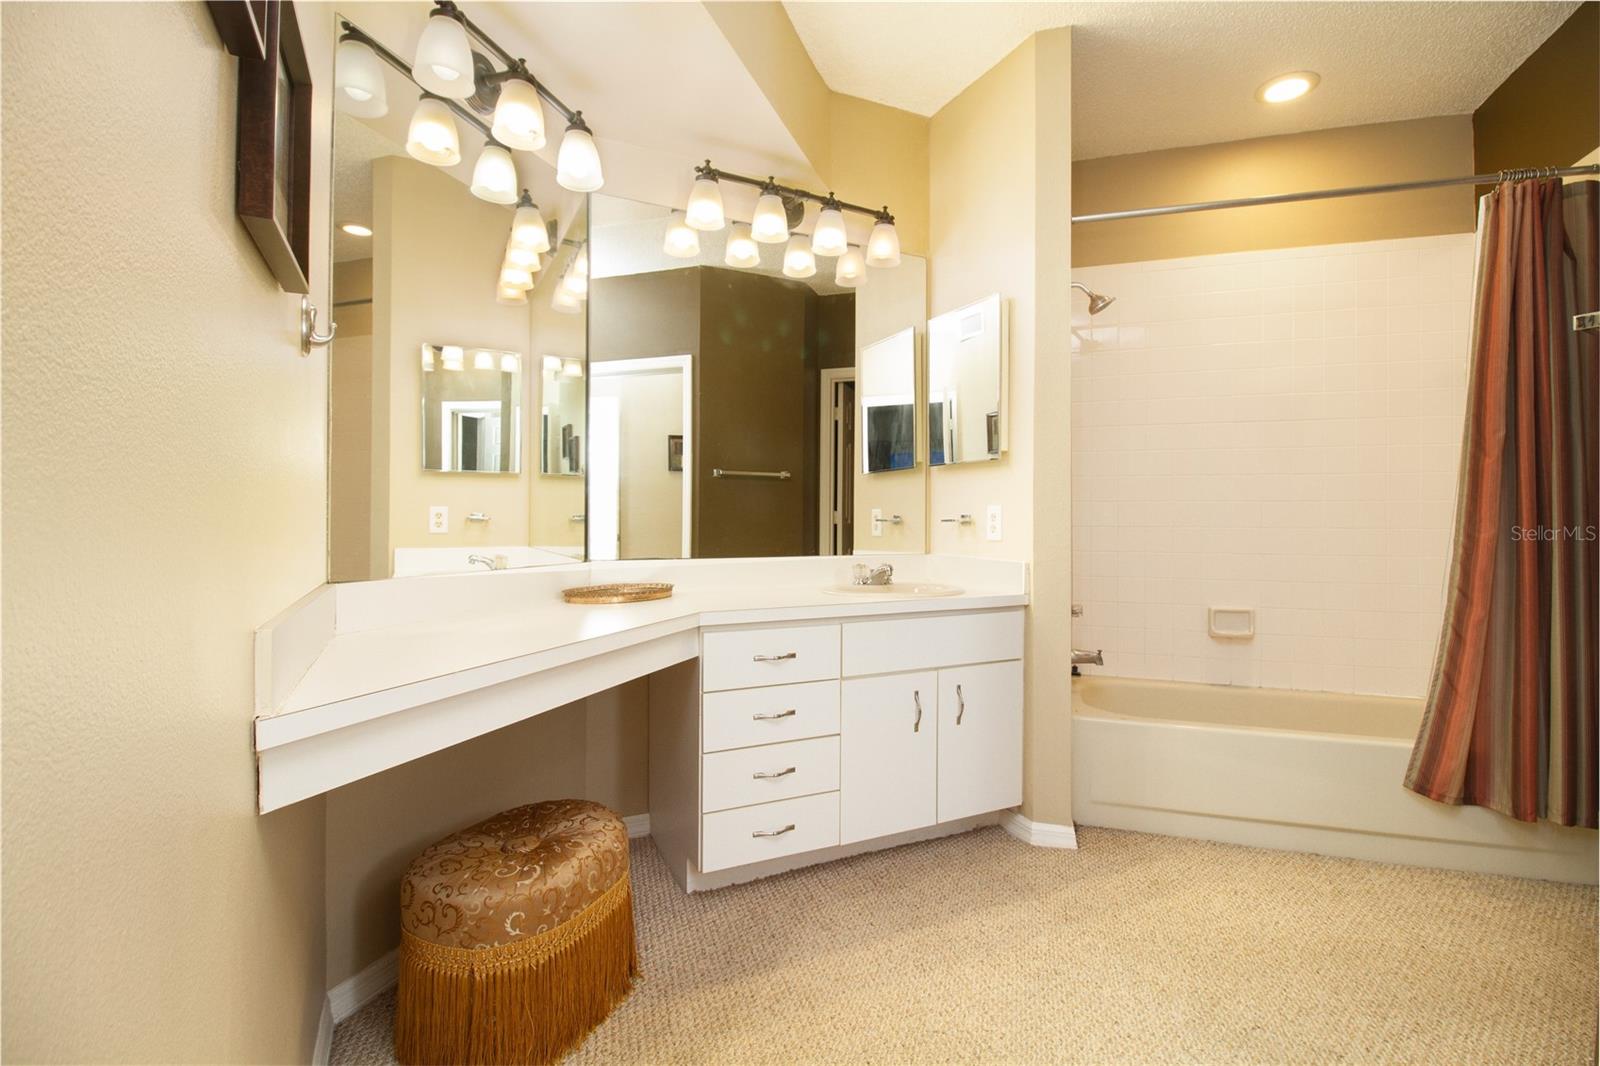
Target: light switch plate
x,y
438,520
991,528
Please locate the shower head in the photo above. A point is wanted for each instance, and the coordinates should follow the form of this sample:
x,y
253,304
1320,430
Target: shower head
x,y
1097,301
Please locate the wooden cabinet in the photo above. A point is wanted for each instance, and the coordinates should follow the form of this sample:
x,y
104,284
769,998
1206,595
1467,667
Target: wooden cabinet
x,y
888,754
980,739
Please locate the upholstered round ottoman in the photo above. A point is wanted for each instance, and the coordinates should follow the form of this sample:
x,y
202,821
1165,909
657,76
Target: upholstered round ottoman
x,y
516,937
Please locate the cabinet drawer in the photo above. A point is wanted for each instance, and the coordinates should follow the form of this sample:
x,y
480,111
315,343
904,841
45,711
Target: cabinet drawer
x,y
892,645
742,717
771,772
745,658
770,831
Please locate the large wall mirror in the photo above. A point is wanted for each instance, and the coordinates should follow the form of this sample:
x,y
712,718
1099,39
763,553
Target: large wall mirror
x,y
727,403
458,422
967,383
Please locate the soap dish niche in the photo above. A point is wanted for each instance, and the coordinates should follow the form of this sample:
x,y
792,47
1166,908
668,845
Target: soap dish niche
x,y
1232,623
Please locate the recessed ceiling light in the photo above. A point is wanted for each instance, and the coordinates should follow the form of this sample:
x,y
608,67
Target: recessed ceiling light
x,y
356,229
1286,87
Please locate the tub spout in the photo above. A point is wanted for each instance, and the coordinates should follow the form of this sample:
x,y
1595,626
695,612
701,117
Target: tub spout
x,y
1087,658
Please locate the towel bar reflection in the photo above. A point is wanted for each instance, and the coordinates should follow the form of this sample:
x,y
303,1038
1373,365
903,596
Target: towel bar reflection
x,y
776,475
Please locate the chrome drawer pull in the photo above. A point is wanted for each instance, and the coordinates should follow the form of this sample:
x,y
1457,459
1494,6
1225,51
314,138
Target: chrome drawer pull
x,y
790,713
773,832
760,775
916,726
774,658
961,709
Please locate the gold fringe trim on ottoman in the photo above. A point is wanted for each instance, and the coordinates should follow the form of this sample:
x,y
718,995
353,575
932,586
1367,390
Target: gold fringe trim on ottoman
x,y
530,1001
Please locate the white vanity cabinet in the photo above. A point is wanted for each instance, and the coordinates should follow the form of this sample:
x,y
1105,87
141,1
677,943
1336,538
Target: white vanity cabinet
x,y
789,744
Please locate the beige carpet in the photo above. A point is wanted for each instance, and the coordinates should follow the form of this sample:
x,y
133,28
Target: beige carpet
x,y
1135,948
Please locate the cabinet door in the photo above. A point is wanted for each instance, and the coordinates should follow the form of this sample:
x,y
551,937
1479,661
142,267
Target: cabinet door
x,y
980,739
888,744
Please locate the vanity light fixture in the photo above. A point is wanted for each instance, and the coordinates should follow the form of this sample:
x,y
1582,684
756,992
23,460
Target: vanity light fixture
x,y
798,262
1286,87
578,162
509,294
359,87
828,236
851,271
743,251
444,56
682,242
883,246
577,283
516,277
494,176
482,360
552,363
572,368
509,364
528,229
522,259
705,201
580,263
564,301
356,229
452,356
432,136
770,224
427,358
518,114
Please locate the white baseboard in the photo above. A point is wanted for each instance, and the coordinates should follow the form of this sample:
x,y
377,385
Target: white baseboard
x,y
638,825
353,993
322,1050
1039,834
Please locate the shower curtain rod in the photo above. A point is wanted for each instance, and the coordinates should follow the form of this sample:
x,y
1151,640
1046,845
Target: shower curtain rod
x,y
1331,194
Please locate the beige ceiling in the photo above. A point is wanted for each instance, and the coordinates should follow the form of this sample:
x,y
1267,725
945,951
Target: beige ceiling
x,y
1160,75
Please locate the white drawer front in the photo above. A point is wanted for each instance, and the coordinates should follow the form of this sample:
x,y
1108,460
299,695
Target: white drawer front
x,y
745,658
770,831
892,645
772,772
743,717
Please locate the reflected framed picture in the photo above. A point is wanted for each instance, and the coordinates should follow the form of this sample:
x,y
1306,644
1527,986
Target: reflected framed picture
x,y
675,453
273,188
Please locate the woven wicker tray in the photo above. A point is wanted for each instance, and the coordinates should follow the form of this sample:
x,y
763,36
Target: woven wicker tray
x,y
637,592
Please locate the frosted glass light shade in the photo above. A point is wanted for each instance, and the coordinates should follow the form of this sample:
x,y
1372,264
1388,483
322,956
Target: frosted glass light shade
x,y
519,116
358,81
482,360
576,282
705,205
572,368
770,225
565,302
508,294
528,230
883,247
427,358
828,236
432,135
682,241
444,58
494,176
516,277
509,363
743,251
552,363
578,162
580,262
851,269
522,258
452,356
798,262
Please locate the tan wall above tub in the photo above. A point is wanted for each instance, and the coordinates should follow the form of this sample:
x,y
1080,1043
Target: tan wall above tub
x,y
1354,155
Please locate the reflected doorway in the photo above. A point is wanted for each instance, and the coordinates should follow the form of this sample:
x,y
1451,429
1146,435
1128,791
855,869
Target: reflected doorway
x,y
837,485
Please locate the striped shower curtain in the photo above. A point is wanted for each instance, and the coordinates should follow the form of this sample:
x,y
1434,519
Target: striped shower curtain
x,y
1511,716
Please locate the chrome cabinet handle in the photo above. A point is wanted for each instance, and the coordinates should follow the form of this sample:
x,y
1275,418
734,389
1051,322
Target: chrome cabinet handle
x,y
961,707
790,713
773,832
916,726
774,658
760,775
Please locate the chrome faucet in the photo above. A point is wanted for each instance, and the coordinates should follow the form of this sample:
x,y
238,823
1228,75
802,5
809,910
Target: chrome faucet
x,y
474,560
1088,658
878,575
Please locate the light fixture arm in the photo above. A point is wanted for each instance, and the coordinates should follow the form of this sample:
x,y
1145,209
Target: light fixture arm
x,y
768,184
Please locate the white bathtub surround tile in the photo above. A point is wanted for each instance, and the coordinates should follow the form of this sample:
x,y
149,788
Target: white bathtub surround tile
x,y
1278,430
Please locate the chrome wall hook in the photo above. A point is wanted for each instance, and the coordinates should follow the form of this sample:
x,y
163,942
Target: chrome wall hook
x,y
309,337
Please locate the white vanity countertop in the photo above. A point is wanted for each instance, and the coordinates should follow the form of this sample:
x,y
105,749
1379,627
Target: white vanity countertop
x,y
391,645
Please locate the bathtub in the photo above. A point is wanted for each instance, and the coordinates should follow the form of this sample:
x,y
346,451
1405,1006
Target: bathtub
x,y
1301,771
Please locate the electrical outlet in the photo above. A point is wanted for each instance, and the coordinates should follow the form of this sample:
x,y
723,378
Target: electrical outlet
x,y
877,521
438,520
991,529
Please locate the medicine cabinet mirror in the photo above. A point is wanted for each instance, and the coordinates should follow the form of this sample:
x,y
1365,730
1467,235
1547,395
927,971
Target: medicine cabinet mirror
x,y
967,383
471,410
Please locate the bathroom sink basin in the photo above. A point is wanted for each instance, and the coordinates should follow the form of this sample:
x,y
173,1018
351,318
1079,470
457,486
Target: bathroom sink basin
x,y
907,588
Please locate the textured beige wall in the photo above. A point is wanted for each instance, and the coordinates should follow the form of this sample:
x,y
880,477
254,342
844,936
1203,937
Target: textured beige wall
x,y
1009,135
164,468
1324,159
